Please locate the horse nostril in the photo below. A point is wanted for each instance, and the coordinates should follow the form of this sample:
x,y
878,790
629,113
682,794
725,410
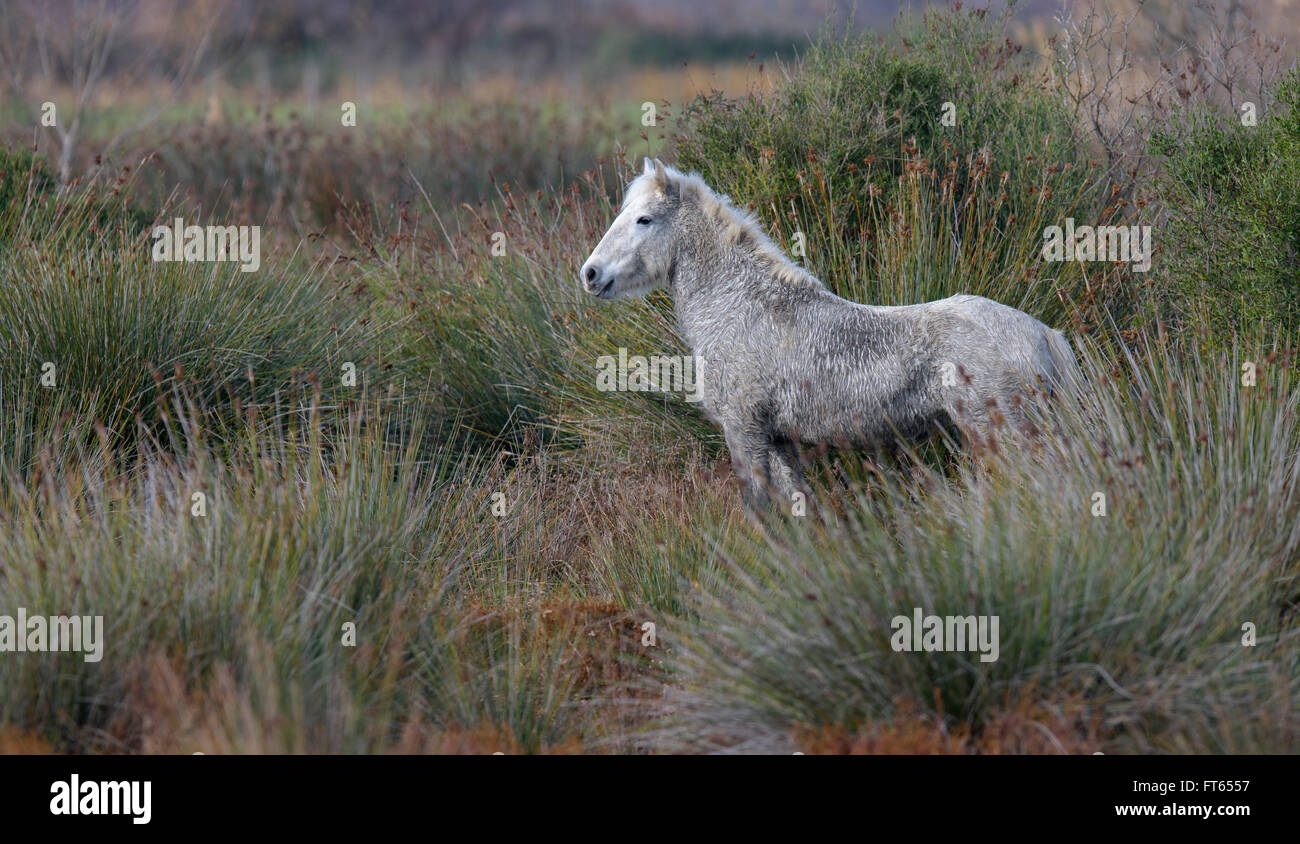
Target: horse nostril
x,y
591,273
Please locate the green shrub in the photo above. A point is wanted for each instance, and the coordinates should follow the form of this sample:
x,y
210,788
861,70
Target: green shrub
x,y
23,174
1231,196
31,204
829,150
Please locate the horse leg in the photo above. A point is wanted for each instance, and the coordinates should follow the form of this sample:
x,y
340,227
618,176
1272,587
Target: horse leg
x,y
749,458
787,478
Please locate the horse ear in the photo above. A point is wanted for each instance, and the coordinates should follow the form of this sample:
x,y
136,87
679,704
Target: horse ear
x,y
668,186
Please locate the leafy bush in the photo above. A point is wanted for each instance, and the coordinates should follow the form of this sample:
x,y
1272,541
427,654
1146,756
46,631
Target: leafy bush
x,y
1232,200
31,203
830,150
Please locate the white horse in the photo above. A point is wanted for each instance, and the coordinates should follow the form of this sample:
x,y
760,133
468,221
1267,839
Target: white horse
x,y
786,361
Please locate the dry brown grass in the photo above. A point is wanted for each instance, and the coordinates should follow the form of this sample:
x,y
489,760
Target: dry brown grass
x,y
167,712
1028,726
19,742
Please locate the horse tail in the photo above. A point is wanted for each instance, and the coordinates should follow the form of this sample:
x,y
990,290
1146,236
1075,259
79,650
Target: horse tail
x,y
1066,376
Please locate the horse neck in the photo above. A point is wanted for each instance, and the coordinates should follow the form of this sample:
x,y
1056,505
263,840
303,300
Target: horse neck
x,y
714,282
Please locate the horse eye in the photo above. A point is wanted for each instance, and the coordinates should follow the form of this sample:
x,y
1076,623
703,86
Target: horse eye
x,y
643,221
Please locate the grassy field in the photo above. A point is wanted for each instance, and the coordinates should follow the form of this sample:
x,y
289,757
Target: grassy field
x,y
470,548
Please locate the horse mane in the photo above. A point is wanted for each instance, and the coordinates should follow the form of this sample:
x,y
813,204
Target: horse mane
x,y
742,229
